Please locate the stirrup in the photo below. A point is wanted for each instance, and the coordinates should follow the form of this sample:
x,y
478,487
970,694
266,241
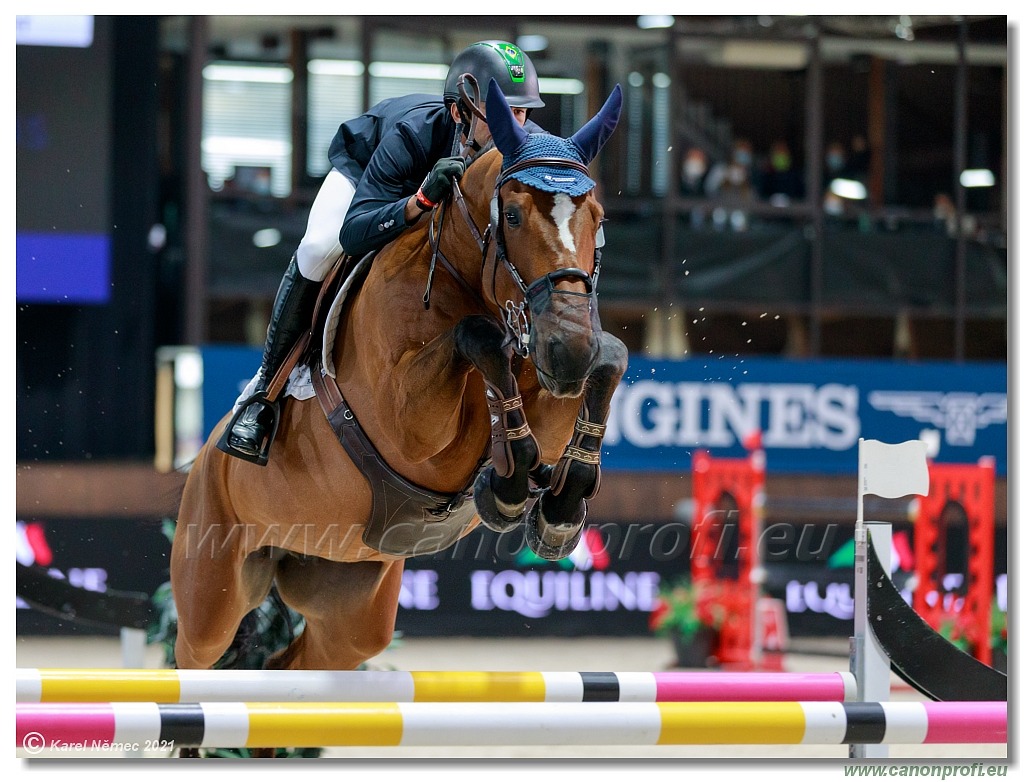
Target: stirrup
x,y
259,398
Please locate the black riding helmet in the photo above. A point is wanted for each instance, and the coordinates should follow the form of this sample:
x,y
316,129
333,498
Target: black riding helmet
x,y
504,62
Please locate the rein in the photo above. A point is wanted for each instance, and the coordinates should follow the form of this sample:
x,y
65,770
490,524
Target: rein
x,y
465,151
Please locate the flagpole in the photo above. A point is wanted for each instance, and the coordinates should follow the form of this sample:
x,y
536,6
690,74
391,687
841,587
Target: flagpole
x,y
870,664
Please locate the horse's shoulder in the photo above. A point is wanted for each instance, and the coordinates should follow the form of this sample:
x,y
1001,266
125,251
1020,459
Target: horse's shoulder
x,y
407,243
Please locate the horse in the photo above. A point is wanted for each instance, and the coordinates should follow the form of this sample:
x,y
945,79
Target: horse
x,y
469,383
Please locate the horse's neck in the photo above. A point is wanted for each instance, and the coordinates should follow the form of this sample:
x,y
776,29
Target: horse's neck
x,y
401,267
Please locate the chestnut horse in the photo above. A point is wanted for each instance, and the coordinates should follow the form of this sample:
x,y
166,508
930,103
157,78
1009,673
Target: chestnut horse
x,y
497,391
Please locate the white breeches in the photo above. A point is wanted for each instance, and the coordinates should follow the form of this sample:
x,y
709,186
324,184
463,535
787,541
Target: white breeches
x,y
320,246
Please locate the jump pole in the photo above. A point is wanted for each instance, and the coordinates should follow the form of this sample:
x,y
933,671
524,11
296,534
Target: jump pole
x,y
86,726
192,686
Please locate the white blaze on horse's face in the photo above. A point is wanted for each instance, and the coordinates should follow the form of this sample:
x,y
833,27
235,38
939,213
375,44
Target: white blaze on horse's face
x,y
561,214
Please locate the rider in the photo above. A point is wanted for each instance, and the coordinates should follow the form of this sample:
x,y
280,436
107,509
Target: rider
x,y
390,165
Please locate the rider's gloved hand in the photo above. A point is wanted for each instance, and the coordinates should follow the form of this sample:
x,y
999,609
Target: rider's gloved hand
x,y
438,183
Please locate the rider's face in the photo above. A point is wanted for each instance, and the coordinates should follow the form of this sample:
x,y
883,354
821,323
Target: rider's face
x,y
483,133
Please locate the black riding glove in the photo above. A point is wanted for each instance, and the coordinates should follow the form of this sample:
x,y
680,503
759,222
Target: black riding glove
x,y
438,183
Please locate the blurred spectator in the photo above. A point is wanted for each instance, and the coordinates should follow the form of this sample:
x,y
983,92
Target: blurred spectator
x,y
833,204
732,183
734,180
836,167
835,163
945,218
694,173
944,214
782,182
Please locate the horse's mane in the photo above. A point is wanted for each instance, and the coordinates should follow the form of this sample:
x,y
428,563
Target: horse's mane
x,y
482,153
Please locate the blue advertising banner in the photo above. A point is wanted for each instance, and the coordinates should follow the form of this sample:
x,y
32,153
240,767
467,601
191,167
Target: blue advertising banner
x,y
63,268
226,371
810,413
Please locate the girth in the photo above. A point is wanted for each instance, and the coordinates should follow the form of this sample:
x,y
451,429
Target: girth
x,y
406,520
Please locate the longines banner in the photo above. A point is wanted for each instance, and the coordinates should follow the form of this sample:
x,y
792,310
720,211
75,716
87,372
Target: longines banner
x,y
810,413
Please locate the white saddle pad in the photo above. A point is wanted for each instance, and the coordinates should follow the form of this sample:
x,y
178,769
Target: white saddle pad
x,y
334,314
300,386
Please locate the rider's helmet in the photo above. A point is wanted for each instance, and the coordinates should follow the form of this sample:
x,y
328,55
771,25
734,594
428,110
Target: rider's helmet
x,y
504,62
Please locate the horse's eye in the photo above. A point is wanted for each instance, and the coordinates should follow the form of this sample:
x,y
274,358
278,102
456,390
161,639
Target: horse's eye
x,y
512,218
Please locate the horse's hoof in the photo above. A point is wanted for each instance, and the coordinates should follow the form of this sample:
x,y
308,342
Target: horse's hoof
x,y
188,752
554,541
487,505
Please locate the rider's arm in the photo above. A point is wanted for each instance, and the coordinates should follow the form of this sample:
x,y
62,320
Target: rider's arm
x,y
383,205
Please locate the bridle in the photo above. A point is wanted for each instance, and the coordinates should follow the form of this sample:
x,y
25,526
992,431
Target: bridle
x,y
537,294
516,317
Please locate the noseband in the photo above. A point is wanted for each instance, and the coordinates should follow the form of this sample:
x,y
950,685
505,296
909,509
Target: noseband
x,y
517,317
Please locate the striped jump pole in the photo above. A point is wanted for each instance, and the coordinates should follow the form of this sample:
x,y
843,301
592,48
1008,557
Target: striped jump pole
x,y
192,686
84,726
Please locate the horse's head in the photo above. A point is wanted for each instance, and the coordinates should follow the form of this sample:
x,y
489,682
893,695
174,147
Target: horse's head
x,y
546,222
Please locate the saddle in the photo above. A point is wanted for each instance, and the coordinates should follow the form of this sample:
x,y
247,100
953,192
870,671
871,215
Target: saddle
x,y
406,519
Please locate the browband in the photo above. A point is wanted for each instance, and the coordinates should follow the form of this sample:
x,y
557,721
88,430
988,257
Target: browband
x,y
538,162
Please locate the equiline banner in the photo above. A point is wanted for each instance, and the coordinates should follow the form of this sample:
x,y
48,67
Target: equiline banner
x,y
810,413
493,585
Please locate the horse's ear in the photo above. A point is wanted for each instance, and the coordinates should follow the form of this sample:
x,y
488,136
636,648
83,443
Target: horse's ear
x,y
592,136
508,135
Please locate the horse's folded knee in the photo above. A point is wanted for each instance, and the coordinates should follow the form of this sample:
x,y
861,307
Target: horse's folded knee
x,y
362,644
614,355
375,641
194,656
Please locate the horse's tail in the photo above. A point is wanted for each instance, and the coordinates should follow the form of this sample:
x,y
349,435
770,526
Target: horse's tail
x,y
261,634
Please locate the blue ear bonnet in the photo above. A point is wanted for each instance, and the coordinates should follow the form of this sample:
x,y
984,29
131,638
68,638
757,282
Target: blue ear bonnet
x,y
518,146
553,178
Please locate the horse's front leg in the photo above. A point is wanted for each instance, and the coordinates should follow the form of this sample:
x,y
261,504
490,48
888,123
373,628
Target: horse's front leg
x,y
556,520
501,490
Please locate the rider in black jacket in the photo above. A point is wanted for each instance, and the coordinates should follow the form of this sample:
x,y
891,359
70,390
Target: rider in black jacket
x,y
390,165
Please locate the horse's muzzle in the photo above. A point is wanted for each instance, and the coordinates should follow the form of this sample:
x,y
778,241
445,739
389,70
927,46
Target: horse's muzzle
x,y
565,328
565,351
560,388
566,367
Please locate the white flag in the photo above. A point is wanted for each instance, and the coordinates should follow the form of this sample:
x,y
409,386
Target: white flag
x,y
893,470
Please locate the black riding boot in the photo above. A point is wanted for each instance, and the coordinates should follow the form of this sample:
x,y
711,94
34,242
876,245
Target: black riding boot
x,y
250,436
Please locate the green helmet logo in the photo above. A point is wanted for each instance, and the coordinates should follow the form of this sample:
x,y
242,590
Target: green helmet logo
x,y
513,57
